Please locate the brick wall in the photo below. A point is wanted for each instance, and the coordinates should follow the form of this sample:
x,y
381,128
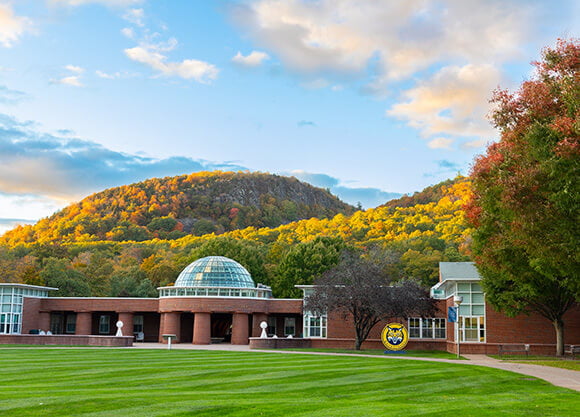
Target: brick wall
x,y
279,343
30,339
230,305
530,329
100,304
31,314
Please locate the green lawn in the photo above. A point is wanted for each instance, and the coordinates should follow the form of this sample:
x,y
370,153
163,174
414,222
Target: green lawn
x,y
572,365
556,362
381,352
124,382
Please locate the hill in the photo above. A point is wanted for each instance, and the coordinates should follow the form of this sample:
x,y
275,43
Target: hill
x,y
430,194
406,241
173,207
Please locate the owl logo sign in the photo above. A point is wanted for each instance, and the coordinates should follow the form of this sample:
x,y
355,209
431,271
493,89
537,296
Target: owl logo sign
x,y
395,336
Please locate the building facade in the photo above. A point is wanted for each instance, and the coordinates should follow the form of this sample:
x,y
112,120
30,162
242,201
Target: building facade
x,y
215,300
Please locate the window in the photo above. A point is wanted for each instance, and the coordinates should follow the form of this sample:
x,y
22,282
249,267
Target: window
x,y
289,326
472,329
314,326
56,320
414,328
3,323
471,312
426,328
71,323
272,326
104,324
15,323
473,304
138,324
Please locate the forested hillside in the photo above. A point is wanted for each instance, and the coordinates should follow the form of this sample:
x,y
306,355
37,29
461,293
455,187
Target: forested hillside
x,y
173,207
407,241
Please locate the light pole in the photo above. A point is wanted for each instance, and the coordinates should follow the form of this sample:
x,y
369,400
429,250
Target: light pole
x,y
457,300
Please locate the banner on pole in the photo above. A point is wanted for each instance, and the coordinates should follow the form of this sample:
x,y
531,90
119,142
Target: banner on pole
x,y
452,314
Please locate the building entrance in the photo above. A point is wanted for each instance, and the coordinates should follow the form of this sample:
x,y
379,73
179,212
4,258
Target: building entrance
x,y
221,328
186,328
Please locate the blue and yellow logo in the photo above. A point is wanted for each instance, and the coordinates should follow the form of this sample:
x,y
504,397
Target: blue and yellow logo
x,y
395,336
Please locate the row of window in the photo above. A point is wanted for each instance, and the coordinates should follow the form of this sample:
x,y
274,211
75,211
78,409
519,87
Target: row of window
x,y
215,292
11,300
9,323
31,292
427,328
69,320
316,326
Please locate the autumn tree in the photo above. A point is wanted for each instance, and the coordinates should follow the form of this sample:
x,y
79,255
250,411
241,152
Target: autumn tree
x,y
526,193
359,290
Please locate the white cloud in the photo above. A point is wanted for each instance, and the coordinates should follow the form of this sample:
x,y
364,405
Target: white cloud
x,y
440,143
102,74
113,3
200,71
72,80
401,37
128,33
454,102
75,69
381,42
135,16
254,59
11,26
61,166
115,75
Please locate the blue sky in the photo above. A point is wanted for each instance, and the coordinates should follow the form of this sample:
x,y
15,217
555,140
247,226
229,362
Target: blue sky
x,y
369,98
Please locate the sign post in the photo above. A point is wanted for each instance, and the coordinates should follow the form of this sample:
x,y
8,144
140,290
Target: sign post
x,y
457,300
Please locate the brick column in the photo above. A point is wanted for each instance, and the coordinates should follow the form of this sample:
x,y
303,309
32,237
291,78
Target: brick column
x,y
44,320
257,318
202,329
240,329
127,319
84,323
170,324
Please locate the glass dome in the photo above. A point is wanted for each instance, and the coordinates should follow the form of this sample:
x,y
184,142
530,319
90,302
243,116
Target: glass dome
x,y
215,271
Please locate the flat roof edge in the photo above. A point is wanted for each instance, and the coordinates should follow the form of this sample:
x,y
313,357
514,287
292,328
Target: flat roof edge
x,y
36,287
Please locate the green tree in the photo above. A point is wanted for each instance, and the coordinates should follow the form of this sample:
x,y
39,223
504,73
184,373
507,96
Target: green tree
x,y
203,227
526,193
304,262
70,283
132,282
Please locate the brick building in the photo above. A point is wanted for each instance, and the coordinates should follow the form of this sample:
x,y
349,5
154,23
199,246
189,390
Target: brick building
x,y
215,300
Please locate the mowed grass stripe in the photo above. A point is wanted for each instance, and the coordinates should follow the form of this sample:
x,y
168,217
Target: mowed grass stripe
x,y
125,382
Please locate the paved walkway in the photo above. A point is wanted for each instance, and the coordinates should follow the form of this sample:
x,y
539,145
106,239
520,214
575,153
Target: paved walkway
x,y
557,376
